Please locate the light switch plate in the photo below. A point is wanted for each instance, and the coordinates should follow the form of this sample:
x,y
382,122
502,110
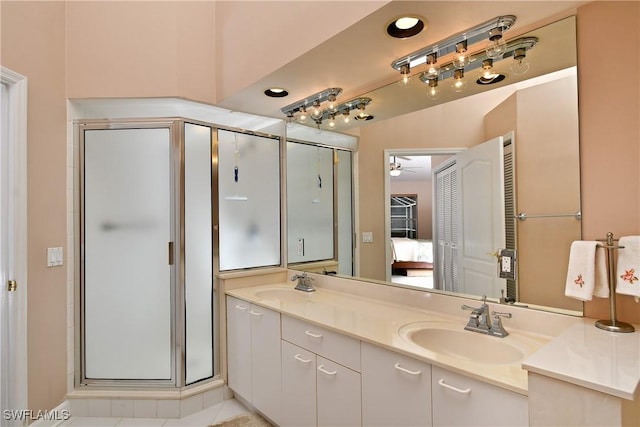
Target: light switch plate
x,y
300,246
367,237
54,257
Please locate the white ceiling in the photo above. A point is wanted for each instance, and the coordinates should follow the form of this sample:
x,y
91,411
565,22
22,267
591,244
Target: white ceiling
x,y
358,59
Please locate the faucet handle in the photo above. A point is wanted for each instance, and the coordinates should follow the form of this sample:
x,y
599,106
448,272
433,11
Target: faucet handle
x,y
497,315
496,328
299,276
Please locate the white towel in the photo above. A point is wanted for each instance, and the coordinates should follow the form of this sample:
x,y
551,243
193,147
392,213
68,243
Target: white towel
x,y
587,272
628,267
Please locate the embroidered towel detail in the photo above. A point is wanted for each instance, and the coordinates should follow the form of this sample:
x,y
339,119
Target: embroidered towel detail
x,y
586,275
628,267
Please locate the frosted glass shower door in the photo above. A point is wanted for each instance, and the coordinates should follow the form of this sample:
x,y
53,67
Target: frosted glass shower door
x,y
249,201
126,233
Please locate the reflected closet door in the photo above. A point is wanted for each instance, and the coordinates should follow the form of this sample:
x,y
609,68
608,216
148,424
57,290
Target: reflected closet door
x,y
127,276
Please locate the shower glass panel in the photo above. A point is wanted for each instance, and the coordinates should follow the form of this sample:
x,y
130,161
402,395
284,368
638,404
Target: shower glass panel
x,y
249,200
345,213
309,202
198,254
127,224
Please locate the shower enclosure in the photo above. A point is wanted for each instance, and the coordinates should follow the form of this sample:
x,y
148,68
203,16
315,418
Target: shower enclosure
x,y
147,251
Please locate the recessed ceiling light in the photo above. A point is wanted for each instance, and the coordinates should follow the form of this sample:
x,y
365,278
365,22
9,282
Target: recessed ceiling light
x,y
489,81
276,92
406,26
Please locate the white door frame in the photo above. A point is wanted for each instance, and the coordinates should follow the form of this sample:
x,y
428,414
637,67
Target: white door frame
x,y
13,370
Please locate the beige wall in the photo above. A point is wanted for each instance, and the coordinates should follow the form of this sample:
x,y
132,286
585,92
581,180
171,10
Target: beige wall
x,y
242,61
33,45
141,49
547,182
423,190
609,104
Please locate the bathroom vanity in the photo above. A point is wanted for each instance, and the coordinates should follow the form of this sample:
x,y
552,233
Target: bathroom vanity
x,y
356,354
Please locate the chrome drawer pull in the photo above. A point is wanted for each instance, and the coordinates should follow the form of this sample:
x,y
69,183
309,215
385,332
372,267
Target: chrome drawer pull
x,y
321,369
311,334
241,307
400,368
255,313
458,390
298,357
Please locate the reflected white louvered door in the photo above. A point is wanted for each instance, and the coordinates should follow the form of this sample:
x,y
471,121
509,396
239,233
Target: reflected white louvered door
x,y
446,227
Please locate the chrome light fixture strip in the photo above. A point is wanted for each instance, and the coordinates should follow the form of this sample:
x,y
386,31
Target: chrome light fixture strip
x,y
447,69
321,96
443,47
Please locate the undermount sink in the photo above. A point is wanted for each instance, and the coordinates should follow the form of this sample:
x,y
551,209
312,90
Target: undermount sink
x,y
450,339
281,294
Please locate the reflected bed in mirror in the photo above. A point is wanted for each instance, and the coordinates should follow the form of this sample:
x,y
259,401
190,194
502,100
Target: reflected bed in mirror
x,y
541,112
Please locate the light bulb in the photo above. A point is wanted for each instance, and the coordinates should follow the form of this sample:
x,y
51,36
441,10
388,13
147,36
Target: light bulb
x,y
405,72
316,110
332,105
290,120
432,92
519,65
302,115
361,113
332,121
497,46
487,71
345,117
458,83
461,57
433,70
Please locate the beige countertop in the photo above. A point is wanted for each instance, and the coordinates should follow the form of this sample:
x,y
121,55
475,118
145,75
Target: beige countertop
x,y
378,322
584,355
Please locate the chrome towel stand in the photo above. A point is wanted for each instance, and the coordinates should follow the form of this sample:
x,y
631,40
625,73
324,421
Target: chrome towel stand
x,y
612,324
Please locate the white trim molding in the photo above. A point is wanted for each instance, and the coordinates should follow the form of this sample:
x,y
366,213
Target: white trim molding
x,y
17,154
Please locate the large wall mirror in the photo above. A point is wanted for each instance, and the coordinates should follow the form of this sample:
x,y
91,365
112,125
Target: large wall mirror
x,y
540,113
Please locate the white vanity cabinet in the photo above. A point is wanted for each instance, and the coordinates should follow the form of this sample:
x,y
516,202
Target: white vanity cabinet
x,y
253,355
396,389
321,383
462,401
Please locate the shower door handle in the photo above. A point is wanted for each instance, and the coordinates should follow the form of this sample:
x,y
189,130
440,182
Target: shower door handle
x,y
170,253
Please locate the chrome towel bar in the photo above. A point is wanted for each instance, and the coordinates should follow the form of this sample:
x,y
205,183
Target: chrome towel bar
x,y
523,215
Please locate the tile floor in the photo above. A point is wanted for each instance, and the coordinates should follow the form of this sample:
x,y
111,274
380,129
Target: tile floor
x,y
215,414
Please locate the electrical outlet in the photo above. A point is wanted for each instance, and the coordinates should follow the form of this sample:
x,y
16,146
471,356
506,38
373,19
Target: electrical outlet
x,y
300,246
507,264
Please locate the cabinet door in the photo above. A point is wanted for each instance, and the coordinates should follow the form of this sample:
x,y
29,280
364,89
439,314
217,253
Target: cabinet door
x,y
396,390
265,361
239,347
298,386
462,401
339,396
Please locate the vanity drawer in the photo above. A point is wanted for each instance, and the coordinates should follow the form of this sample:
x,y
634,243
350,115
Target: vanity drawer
x,y
462,401
332,345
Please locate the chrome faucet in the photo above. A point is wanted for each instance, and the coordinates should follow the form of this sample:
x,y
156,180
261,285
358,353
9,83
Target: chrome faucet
x,y
304,282
480,320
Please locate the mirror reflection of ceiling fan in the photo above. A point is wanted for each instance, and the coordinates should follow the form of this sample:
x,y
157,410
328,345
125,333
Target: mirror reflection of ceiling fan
x,y
396,168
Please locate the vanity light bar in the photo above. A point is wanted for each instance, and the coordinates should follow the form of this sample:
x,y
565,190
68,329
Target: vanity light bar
x,y
448,45
309,100
448,69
